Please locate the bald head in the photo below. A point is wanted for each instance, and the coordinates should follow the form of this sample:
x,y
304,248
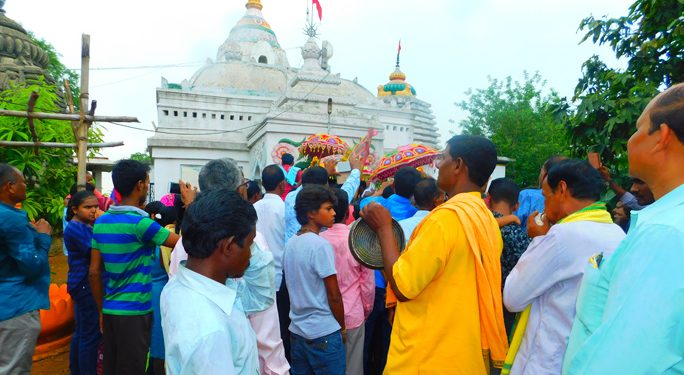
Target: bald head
x,y
668,108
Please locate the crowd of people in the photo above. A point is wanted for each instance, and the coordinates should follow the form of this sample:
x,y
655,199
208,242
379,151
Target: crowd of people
x,y
225,278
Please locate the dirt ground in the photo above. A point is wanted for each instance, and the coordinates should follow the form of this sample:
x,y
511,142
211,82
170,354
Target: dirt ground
x,y
57,363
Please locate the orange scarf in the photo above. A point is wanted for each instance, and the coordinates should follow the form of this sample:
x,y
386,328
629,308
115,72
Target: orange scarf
x,y
484,237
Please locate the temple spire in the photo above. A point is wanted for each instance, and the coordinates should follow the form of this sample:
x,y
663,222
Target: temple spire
x,y
254,4
398,52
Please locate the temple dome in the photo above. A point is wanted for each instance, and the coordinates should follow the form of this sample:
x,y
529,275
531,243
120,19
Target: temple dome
x,y
250,78
253,40
397,85
20,59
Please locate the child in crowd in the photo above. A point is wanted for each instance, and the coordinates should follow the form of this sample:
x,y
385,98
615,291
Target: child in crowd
x,y
166,217
124,242
356,282
504,194
78,235
316,308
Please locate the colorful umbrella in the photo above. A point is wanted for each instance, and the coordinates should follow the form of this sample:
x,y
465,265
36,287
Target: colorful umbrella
x,y
414,155
318,146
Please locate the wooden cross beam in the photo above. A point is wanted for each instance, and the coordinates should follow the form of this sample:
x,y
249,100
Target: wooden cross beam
x,y
80,122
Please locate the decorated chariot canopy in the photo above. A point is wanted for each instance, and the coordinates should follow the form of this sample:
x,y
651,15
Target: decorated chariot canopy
x,y
414,155
318,146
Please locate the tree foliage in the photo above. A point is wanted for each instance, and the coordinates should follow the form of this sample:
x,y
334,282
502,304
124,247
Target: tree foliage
x,y
49,173
608,101
142,157
518,117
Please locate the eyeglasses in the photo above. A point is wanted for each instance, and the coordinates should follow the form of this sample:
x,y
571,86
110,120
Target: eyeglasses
x,y
245,183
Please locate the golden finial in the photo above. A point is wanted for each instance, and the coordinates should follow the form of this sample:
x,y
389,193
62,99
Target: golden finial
x,y
254,4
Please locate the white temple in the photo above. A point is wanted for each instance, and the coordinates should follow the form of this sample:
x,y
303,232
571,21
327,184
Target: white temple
x,y
243,104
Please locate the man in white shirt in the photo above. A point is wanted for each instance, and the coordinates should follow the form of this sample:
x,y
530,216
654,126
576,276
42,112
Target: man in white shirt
x,y
549,273
255,291
271,225
206,330
271,216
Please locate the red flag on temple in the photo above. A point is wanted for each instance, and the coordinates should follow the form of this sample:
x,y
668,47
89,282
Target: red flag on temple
x,y
318,8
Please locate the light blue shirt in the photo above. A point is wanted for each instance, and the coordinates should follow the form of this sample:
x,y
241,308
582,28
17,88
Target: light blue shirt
x,y
410,224
630,311
530,200
256,288
308,259
350,186
205,331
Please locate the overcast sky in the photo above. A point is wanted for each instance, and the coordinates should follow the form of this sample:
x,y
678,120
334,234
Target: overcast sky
x,y
447,46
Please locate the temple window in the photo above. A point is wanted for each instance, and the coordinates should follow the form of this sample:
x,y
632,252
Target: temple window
x,y
175,113
263,59
194,114
213,116
166,112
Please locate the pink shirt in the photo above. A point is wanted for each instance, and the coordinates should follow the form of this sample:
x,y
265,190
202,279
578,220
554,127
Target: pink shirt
x,y
356,282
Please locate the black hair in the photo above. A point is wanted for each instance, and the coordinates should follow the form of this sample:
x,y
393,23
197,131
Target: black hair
x,y
405,181
342,206
179,209
74,188
77,200
167,215
253,189
315,176
310,199
584,181
126,174
478,153
271,176
504,189
387,192
669,109
216,215
287,159
552,161
425,192
8,173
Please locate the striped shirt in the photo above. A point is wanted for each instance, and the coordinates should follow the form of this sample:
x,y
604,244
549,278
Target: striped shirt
x,y
126,238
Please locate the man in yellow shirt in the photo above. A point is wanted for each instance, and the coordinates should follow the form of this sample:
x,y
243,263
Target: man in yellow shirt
x,y
449,318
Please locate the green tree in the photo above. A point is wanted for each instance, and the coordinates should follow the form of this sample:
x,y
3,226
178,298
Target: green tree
x,y
608,101
49,173
518,117
143,157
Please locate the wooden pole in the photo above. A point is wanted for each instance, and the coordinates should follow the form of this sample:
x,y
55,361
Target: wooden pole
x,y
83,124
32,126
57,144
66,116
70,106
